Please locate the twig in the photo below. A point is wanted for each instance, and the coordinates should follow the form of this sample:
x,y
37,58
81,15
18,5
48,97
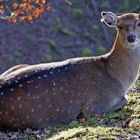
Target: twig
x,y
8,9
5,17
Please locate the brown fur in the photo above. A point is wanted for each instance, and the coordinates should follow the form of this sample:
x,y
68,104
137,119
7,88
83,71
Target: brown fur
x,y
44,95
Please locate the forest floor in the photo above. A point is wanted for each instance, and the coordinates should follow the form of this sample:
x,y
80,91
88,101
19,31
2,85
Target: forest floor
x,y
119,125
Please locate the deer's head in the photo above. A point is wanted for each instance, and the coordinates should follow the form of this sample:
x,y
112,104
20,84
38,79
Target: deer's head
x,y
128,26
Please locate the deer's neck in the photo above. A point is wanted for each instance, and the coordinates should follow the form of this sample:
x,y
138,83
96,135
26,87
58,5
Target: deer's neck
x,y
124,62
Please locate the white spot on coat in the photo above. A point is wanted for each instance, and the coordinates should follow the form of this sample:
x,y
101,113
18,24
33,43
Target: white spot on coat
x,y
20,106
26,76
9,82
48,100
27,116
39,106
12,107
66,68
11,89
34,97
40,120
28,82
2,93
58,109
13,119
61,88
70,101
54,84
36,70
20,85
45,75
39,77
37,97
47,119
16,81
18,98
51,72
31,81
87,108
28,94
32,110
50,105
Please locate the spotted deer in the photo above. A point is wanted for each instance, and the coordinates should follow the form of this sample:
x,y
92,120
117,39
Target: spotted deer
x,y
37,96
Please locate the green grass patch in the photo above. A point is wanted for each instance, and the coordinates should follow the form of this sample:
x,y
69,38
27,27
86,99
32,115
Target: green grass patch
x,y
86,52
88,133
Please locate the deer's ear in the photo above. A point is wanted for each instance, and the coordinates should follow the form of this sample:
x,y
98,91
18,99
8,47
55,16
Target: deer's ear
x,y
109,18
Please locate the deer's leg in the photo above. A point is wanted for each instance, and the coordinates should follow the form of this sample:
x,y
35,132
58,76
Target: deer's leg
x,y
87,109
119,103
101,107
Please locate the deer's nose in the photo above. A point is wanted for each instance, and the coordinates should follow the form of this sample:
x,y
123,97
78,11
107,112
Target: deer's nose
x,y
131,38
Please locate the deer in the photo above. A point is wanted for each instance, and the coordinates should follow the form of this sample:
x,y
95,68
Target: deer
x,y
47,94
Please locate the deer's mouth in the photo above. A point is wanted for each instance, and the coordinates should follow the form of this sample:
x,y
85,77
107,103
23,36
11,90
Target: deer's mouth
x,y
134,44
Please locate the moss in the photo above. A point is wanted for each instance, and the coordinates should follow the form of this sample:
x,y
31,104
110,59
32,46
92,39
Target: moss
x,y
126,4
65,31
89,37
77,13
101,50
53,44
49,57
57,25
86,52
69,2
94,28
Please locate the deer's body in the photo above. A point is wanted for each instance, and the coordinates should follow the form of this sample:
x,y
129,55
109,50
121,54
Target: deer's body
x,y
43,95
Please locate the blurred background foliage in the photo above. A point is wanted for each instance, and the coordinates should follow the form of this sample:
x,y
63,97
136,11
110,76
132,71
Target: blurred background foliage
x,y
71,29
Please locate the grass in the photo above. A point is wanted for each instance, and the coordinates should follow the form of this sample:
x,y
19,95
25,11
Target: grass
x,y
93,133
122,124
